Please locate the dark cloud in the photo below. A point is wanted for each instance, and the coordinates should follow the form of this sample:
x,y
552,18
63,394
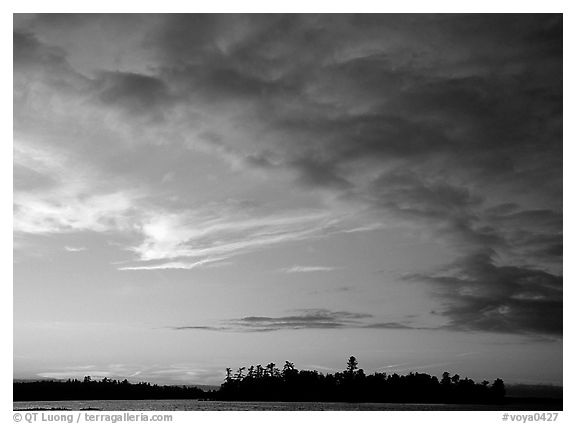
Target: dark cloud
x,y
307,319
314,173
534,236
134,93
390,326
542,219
198,327
480,295
28,51
448,210
36,62
417,196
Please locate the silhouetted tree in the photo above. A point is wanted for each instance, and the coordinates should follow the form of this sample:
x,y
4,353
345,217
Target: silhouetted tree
x,y
352,365
250,371
270,368
239,375
259,371
498,389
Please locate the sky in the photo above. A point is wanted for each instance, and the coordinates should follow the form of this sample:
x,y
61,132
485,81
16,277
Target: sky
x,y
196,192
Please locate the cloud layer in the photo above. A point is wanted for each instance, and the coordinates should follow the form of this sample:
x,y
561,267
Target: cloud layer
x,y
447,124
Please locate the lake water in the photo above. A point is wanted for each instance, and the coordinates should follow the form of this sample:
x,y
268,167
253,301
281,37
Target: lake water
x,y
196,405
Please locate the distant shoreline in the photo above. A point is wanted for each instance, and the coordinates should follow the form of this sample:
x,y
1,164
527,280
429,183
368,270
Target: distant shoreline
x,y
272,388
270,384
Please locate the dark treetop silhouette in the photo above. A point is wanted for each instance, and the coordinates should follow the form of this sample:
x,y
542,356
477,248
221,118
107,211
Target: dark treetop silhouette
x,y
269,383
106,388
353,385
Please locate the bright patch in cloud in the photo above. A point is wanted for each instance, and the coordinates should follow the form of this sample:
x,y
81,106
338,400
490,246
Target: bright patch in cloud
x,y
211,239
74,249
301,269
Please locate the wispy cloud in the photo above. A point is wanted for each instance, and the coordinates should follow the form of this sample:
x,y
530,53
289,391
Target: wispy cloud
x,y
172,265
75,374
69,213
364,228
207,239
75,249
77,199
301,269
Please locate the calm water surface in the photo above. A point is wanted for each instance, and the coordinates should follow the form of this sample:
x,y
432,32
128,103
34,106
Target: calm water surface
x,y
196,405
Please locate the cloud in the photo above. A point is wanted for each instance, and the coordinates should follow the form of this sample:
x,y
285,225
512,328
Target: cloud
x,y
48,64
172,265
365,228
75,249
317,174
66,193
97,213
390,326
209,238
135,94
61,375
480,295
305,320
300,269
182,373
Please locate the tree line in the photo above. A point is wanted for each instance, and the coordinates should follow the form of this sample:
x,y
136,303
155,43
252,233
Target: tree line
x,y
105,389
269,383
